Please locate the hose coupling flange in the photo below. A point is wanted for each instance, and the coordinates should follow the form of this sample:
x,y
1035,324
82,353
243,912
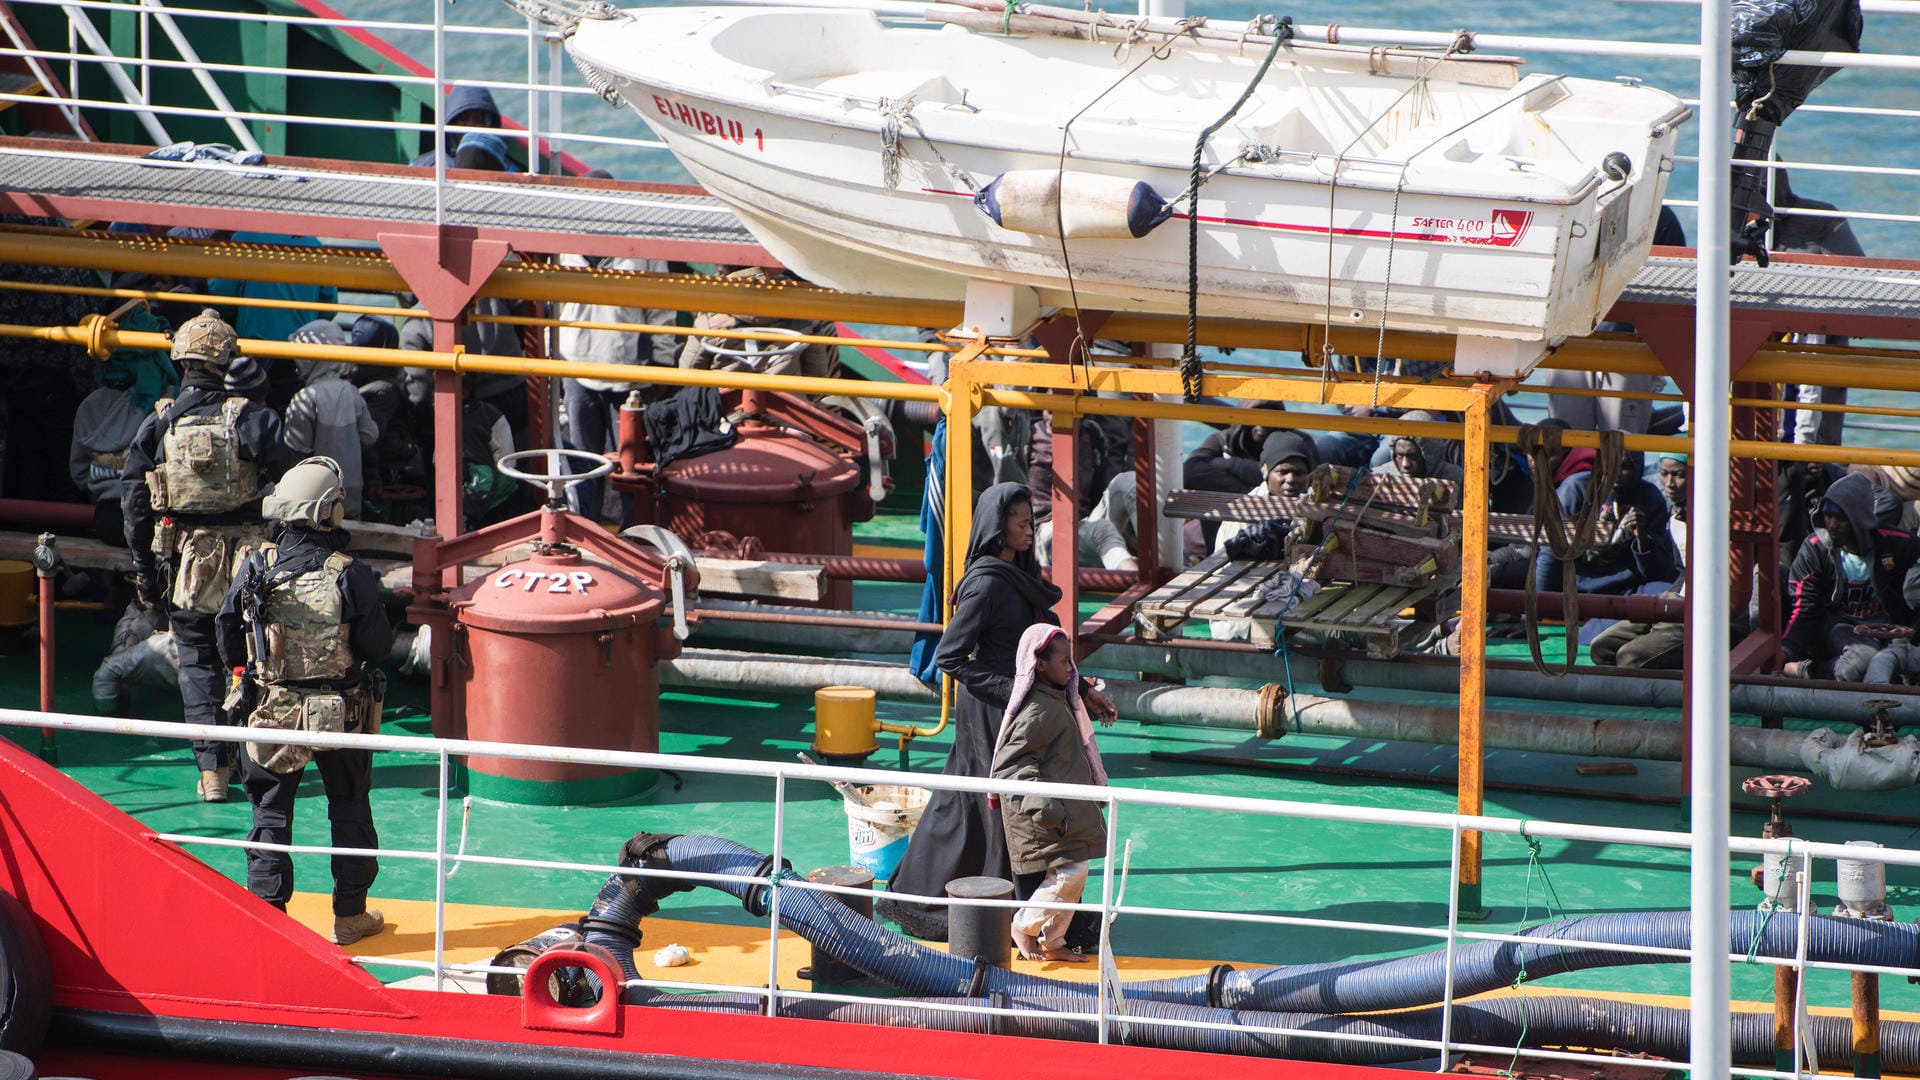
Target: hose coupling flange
x,y
1270,715
756,898
1217,986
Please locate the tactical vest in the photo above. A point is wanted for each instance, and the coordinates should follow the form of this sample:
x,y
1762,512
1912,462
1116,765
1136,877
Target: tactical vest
x,y
306,635
201,471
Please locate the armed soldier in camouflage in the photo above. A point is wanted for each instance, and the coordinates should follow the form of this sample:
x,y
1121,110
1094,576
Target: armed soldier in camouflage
x,y
302,628
190,494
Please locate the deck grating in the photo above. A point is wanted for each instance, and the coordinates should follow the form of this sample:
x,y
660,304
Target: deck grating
x,y
376,198
1799,289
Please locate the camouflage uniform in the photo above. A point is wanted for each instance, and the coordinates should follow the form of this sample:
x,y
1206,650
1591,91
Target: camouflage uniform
x,y
303,616
190,496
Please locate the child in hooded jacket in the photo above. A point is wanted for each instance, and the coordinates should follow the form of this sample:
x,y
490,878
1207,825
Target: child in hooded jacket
x,y
1047,735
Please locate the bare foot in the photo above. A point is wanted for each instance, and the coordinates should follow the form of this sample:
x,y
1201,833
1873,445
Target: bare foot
x,y
1064,955
1028,946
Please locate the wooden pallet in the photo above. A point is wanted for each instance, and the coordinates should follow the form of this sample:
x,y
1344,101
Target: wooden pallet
x,y
1223,590
1213,588
1369,609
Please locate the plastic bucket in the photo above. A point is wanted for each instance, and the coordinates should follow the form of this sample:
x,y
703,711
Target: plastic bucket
x,y
880,819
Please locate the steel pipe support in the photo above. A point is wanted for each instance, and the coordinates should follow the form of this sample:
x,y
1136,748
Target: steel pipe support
x,y
1213,706
1758,698
38,514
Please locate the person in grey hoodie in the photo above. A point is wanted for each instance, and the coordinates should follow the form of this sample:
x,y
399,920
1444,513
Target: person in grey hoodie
x,y
328,417
1852,573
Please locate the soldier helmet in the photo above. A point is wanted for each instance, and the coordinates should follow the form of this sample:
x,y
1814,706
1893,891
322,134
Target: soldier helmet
x,y
206,338
312,493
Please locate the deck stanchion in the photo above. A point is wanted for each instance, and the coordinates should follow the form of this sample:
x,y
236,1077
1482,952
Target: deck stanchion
x,y
1866,1023
773,892
1473,645
1710,983
440,138
1803,918
1107,904
1453,941
440,878
46,563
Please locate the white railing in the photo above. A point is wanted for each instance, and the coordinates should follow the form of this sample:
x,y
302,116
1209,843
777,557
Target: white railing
x,y
553,102
1107,1014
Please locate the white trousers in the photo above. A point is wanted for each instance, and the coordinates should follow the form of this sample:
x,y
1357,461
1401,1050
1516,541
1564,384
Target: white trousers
x,y
1063,884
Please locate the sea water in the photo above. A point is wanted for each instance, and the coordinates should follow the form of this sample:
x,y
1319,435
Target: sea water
x,y
1884,140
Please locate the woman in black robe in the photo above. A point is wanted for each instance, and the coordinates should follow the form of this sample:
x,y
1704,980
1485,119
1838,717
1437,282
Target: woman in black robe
x,y
1000,594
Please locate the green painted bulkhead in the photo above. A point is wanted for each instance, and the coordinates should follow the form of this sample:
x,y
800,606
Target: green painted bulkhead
x,y
279,47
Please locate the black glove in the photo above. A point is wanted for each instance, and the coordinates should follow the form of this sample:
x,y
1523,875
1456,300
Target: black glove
x,y
152,592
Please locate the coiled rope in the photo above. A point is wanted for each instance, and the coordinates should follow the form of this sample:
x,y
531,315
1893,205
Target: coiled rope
x,y
1190,359
1542,447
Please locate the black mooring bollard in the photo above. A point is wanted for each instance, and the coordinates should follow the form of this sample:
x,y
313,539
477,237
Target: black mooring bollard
x,y
825,970
983,933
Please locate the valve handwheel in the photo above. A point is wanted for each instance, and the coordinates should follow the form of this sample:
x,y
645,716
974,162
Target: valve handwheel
x,y
555,481
1776,787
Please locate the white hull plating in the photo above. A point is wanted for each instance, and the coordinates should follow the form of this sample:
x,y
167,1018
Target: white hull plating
x,y
1460,206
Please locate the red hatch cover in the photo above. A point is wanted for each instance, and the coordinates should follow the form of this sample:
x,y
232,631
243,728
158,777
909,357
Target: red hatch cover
x,y
555,593
763,466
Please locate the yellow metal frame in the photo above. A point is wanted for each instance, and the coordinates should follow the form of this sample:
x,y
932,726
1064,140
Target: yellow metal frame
x,y
1139,387
368,270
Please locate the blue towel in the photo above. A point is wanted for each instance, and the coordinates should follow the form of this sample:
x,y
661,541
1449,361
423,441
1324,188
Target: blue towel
x,y
933,522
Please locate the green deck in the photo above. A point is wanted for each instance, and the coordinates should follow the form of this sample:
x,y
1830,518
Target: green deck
x,y
1180,860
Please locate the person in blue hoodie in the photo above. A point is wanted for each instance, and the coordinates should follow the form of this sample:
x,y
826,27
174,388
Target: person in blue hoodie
x,y
1632,544
467,107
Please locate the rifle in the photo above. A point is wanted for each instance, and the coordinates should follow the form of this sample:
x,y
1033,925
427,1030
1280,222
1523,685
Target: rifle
x,y
252,598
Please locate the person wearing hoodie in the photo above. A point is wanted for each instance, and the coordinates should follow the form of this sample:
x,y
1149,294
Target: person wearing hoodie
x,y
1046,736
328,417
999,595
131,382
1851,573
467,107
1632,545
274,323
1421,459
1658,646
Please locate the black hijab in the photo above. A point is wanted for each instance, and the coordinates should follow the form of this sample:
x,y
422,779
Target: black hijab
x,y
989,537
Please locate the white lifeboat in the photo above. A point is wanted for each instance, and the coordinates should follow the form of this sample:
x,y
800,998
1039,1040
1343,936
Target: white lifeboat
x,y
1422,191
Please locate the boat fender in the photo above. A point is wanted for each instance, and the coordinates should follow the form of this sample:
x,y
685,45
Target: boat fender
x,y
26,980
1072,205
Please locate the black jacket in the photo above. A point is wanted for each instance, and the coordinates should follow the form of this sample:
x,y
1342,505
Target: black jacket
x,y
1817,589
1214,465
202,394
369,634
994,603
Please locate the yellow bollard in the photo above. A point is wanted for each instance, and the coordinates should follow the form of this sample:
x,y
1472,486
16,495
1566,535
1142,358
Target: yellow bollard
x,y
16,593
843,723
